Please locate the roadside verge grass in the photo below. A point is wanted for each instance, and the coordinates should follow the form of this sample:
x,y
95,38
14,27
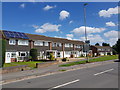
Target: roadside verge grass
x,y
99,59
31,64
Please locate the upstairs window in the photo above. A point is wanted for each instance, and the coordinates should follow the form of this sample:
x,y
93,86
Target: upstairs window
x,y
46,43
58,45
71,45
38,43
67,45
12,42
23,42
53,44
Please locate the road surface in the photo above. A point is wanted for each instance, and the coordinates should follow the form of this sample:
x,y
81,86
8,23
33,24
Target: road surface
x,y
103,76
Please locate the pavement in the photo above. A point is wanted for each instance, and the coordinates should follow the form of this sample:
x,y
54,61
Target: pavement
x,y
91,75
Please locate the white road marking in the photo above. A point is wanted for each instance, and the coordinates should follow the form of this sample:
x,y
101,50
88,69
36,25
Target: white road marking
x,y
103,72
64,84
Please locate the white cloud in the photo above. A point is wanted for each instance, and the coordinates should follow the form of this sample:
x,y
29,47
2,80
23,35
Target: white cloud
x,y
93,38
48,7
111,34
109,12
69,36
35,26
112,41
64,14
81,30
70,22
111,24
22,5
47,27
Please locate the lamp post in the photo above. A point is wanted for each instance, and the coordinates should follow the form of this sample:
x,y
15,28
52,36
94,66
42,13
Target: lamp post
x,y
86,41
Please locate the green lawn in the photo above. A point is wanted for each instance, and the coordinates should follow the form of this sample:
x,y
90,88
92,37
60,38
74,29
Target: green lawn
x,y
104,58
31,64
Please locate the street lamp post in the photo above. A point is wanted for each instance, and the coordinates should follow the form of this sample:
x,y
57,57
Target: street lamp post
x,y
85,31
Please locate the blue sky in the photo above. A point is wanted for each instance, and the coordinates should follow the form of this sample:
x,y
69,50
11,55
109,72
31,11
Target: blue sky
x,y
64,20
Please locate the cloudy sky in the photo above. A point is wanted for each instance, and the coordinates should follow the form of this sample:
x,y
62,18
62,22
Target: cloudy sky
x,y
63,20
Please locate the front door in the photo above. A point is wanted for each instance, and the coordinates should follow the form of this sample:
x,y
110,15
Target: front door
x,y
8,57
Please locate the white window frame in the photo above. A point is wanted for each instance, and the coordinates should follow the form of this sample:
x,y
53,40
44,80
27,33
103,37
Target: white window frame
x,y
13,56
12,42
38,43
21,53
46,43
67,45
58,45
20,42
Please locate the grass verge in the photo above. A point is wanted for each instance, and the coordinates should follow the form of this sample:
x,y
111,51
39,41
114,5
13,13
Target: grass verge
x,y
104,58
31,64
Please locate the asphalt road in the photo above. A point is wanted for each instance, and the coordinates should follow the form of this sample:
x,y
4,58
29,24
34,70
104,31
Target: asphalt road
x,y
104,76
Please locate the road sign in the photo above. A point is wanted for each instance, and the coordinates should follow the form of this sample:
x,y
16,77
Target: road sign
x,y
87,41
86,47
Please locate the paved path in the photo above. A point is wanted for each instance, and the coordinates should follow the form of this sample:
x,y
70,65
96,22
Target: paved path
x,y
101,76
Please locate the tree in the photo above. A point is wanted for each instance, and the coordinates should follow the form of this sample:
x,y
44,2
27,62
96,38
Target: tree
x,y
118,48
97,44
2,53
114,49
33,54
105,44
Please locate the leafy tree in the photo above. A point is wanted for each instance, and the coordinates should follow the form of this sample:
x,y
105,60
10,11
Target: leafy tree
x,y
105,44
118,48
33,54
2,52
97,44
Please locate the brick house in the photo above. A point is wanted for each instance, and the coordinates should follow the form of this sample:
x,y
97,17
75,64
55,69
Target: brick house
x,y
19,44
101,50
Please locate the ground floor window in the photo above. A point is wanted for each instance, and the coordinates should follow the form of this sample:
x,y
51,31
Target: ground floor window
x,y
13,55
22,54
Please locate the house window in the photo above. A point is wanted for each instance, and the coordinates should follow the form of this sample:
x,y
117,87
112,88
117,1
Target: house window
x,y
22,54
66,45
71,45
13,54
12,42
67,52
58,45
53,44
38,43
99,49
46,44
23,42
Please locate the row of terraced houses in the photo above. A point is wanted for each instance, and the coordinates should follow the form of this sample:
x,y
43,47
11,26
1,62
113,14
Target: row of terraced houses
x,y
18,46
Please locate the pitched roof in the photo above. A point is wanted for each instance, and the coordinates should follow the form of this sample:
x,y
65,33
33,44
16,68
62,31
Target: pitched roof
x,y
102,47
53,39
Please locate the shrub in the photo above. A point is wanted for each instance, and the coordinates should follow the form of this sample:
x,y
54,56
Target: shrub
x,y
51,56
33,54
65,59
82,55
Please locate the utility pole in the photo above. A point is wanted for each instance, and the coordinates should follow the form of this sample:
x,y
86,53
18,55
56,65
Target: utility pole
x,y
86,41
